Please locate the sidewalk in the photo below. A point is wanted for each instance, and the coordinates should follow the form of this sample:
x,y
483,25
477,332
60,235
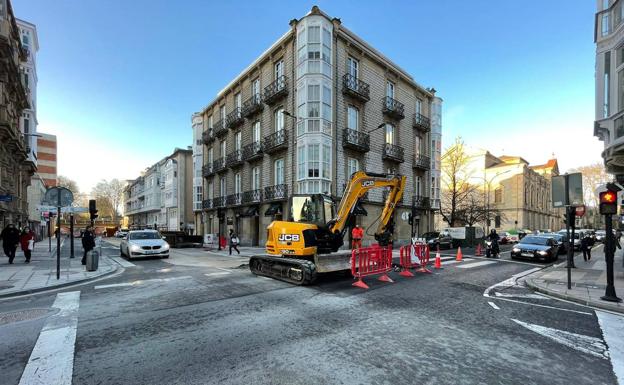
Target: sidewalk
x,y
589,280
40,274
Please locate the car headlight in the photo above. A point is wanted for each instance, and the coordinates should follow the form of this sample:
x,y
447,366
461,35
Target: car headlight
x,y
515,250
165,246
542,252
135,248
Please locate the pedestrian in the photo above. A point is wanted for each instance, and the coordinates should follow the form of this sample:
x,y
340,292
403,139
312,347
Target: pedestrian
x,y
618,235
234,241
586,248
27,242
10,239
88,243
357,234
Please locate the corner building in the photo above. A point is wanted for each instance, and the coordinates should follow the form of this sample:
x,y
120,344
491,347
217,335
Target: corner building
x,y
315,107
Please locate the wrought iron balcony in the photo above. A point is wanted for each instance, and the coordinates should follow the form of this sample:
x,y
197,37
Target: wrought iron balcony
x,y
207,204
252,105
276,90
276,192
234,159
355,140
422,162
275,142
218,165
207,170
393,153
355,87
420,202
435,204
393,108
252,196
218,202
252,151
234,118
422,122
219,129
207,136
233,199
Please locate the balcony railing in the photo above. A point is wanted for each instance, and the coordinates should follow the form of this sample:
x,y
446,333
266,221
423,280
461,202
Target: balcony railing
x,y
422,162
234,118
253,196
275,142
422,122
218,165
276,192
276,90
208,136
252,105
420,202
393,153
218,202
207,204
207,170
252,151
356,140
234,159
219,129
435,204
393,108
233,199
355,87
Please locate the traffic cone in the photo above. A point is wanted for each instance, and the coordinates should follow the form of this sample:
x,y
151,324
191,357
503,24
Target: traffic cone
x,y
459,255
438,261
479,252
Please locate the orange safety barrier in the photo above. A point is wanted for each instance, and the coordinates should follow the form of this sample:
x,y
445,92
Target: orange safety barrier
x,y
423,254
370,261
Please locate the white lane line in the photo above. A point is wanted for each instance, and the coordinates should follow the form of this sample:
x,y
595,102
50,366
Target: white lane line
x,y
530,296
52,358
475,264
222,269
612,331
122,262
544,306
586,344
453,261
493,305
140,282
218,273
509,282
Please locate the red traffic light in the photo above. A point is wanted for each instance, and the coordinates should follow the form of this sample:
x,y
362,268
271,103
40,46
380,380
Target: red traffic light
x,y
608,202
608,197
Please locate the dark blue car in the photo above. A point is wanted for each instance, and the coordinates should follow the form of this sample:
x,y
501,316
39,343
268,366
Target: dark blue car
x,y
536,247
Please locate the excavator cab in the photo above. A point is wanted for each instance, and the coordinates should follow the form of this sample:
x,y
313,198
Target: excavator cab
x,y
317,209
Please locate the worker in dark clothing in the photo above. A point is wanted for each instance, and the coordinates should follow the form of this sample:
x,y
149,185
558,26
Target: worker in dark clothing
x,y
586,247
10,239
88,243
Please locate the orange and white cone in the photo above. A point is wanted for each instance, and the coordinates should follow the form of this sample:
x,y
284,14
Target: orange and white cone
x,y
459,255
438,261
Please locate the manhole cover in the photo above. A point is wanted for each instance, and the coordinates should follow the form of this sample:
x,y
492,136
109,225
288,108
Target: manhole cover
x,y
24,315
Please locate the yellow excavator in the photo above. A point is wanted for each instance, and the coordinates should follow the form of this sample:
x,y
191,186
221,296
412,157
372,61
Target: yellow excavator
x,y
308,243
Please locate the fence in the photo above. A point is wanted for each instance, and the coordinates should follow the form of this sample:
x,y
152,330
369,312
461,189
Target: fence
x,y
408,254
372,260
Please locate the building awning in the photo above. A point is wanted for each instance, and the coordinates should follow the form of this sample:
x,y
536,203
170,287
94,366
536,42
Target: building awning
x,y
252,211
275,208
359,210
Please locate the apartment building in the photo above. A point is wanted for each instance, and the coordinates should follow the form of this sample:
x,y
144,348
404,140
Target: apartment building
x,y
609,108
46,158
16,164
316,106
161,197
198,182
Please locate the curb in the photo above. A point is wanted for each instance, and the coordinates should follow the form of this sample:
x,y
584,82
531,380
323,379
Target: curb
x,y
590,303
56,287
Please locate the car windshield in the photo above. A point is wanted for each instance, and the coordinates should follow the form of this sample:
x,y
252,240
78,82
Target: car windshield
x,y
542,241
144,235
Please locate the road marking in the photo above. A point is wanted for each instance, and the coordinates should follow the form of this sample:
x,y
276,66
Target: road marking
x,y
140,282
453,261
510,282
218,273
530,296
545,306
122,262
612,331
52,358
493,305
586,344
475,264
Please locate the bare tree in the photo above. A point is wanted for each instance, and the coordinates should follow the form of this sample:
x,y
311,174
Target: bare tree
x,y
456,188
80,199
109,195
594,175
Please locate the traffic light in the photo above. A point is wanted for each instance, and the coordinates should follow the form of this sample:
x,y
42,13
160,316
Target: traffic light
x,y
410,219
92,209
608,202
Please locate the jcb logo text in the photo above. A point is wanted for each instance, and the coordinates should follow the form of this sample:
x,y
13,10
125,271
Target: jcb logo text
x,y
288,238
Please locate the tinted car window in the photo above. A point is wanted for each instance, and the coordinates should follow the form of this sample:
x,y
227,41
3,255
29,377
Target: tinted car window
x,y
535,241
146,235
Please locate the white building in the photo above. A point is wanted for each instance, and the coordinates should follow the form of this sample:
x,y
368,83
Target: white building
x,y
198,162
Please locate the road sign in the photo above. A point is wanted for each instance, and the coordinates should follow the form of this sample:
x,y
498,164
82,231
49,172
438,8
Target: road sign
x,y
58,196
574,194
6,198
579,211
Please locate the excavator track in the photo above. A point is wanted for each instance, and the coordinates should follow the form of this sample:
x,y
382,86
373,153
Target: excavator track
x,y
295,271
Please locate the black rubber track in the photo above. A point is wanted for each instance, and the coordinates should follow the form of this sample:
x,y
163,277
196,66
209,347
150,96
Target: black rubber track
x,y
278,268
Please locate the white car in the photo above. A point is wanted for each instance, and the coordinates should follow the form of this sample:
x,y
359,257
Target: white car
x,y
144,243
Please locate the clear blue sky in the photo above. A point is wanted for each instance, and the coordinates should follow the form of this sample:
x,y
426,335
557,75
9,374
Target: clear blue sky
x,y
120,79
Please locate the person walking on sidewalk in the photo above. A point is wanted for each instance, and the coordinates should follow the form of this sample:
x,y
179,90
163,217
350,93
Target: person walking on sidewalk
x,y
234,241
10,240
27,241
586,248
88,243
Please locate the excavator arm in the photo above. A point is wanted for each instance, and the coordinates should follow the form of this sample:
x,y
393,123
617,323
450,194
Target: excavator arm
x,y
360,183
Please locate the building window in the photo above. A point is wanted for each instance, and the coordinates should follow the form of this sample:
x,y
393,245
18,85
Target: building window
x,y
389,133
255,88
210,122
498,195
210,191
237,183
279,171
620,90
352,118
326,161
278,119
238,100
353,67
210,156
222,113
418,106
607,73
223,148
353,166
279,69
605,24
390,89
255,178
256,131
301,161
418,186
313,160
222,187
619,127
239,139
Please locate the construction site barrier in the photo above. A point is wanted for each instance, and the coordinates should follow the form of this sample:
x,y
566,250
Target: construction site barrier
x,y
371,261
421,251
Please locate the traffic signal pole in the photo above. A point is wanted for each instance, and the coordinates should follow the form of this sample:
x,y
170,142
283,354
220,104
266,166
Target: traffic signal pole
x,y
610,294
71,235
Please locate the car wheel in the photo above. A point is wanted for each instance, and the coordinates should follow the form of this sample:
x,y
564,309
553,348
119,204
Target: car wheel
x,y
165,257
121,251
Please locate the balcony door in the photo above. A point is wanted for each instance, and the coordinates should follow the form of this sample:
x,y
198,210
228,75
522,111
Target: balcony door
x,y
353,67
279,119
353,118
255,178
390,89
237,183
279,171
239,139
255,88
256,132
389,133
223,148
279,69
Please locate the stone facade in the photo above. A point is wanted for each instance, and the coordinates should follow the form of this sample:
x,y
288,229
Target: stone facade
x,y
16,166
333,87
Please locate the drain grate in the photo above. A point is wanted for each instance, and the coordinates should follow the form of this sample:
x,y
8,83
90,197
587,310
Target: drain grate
x,y
24,315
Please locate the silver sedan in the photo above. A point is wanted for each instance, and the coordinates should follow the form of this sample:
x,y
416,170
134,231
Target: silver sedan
x,y
144,243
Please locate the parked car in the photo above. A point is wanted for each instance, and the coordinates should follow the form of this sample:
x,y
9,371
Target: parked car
x,y
436,238
536,247
578,235
144,243
600,235
561,239
121,233
504,237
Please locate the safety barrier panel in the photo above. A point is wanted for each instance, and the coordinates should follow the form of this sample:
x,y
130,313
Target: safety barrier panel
x,y
420,251
370,261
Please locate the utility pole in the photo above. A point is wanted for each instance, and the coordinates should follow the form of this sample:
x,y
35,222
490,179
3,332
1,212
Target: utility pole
x,y
71,235
608,207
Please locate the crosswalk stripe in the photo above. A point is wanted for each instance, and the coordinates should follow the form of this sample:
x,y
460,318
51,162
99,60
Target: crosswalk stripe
x,y
52,359
140,282
123,262
475,264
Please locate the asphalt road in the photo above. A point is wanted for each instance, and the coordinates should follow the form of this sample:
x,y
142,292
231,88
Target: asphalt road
x,y
159,323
